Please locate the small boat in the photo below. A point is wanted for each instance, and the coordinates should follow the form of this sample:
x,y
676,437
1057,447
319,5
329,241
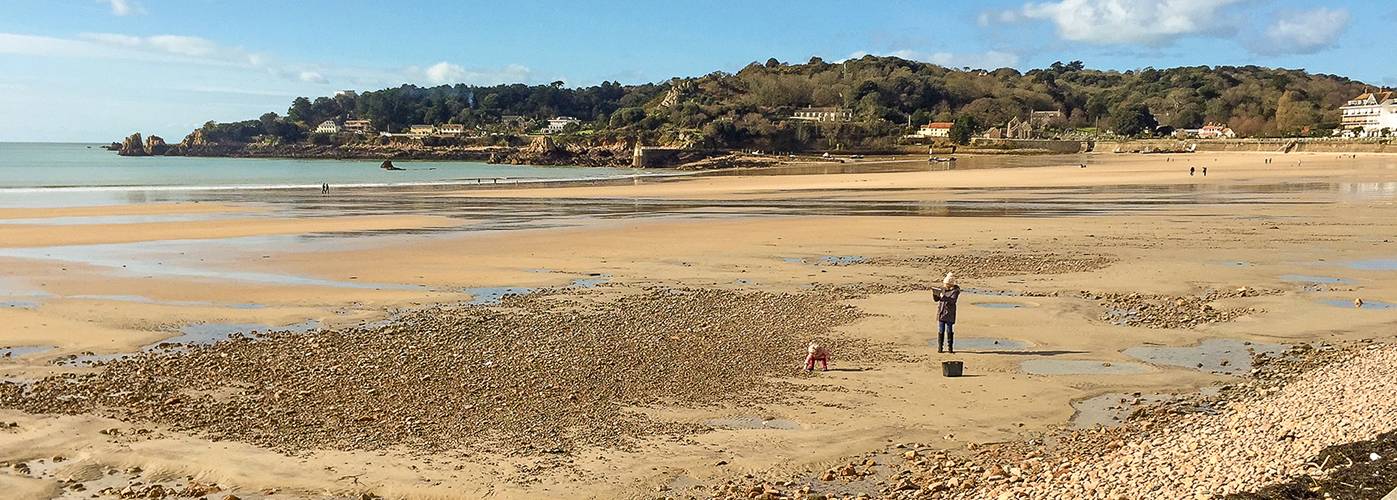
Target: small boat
x,y
938,159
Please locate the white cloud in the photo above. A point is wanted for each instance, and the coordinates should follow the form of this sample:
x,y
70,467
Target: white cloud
x,y
192,47
1150,22
1304,32
990,59
312,77
444,73
183,45
124,7
1004,16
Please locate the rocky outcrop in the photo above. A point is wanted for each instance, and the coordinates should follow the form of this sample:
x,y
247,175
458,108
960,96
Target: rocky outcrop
x,y
155,146
194,139
132,146
679,90
540,151
388,165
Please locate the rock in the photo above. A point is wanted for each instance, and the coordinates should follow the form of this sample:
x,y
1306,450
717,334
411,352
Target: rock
x,y
388,165
132,146
155,146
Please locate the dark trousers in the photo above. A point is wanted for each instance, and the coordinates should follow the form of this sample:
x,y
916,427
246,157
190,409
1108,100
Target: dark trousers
x,y
945,334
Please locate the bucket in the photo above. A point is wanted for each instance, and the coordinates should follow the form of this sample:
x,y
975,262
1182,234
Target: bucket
x,y
952,368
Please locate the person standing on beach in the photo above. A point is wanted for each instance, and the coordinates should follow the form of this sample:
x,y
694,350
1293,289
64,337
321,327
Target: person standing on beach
x,y
1205,171
1190,171
946,312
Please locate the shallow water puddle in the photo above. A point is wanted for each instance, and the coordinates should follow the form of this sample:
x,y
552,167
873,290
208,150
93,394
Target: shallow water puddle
x,y
1111,410
1367,304
595,280
1214,355
841,260
749,422
1373,265
986,344
1081,367
19,304
15,352
491,295
208,333
1324,280
199,334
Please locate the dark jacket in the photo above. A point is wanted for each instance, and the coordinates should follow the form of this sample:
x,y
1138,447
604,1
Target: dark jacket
x,y
946,304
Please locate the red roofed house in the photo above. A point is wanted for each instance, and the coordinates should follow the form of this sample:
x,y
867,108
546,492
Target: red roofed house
x,y
935,129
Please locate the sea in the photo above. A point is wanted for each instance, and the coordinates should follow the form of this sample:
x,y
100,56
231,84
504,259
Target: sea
x,y
49,174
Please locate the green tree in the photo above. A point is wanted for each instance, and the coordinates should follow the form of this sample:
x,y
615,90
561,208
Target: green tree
x,y
1132,120
963,129
1294,113
300,111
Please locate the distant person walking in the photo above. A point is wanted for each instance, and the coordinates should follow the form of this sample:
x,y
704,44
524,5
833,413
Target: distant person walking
x,y
1205,171
816,352
1190,171
946,313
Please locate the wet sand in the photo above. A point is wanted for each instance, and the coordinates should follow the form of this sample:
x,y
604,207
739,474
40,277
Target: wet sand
x,y
1304,230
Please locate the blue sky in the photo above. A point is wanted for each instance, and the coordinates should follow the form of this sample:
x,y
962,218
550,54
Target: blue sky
x,y
95,70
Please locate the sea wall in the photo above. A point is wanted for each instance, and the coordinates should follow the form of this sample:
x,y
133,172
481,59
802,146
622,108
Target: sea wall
x,y
1278,145
1036,145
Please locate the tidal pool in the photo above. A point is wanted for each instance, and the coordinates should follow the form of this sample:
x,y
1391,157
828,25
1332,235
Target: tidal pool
x,y
1214,355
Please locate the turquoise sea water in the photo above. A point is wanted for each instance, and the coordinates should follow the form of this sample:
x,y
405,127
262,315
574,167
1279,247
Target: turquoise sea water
x,y
29,166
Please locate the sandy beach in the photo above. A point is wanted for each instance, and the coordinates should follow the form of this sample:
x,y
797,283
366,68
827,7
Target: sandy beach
x,y
643,339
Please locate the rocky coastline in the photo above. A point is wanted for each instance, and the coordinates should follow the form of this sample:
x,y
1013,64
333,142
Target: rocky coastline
x,y
541,150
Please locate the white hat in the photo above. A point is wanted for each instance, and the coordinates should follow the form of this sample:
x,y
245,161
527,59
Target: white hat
x,y
949,280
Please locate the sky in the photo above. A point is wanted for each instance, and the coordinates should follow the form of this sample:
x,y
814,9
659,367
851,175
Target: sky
x,y
97,70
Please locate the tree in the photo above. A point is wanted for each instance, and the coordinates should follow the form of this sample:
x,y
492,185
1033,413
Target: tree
x,y
963,129
300,110
1294,113
1133,119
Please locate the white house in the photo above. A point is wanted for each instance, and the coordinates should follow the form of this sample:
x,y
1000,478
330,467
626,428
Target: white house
x,y
421,130
1368,114
451,129
358,126
824,114
328,127
556,125
1216,131
935,130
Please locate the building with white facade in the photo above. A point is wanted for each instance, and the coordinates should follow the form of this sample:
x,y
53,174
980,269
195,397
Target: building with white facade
x,y
358,126
328,127
824,114
556,125
935,130
1368,114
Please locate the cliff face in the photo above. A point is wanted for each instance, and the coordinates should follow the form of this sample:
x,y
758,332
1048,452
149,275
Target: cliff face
x,y
132,146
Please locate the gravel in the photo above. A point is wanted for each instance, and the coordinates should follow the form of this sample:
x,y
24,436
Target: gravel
x,y
536,375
